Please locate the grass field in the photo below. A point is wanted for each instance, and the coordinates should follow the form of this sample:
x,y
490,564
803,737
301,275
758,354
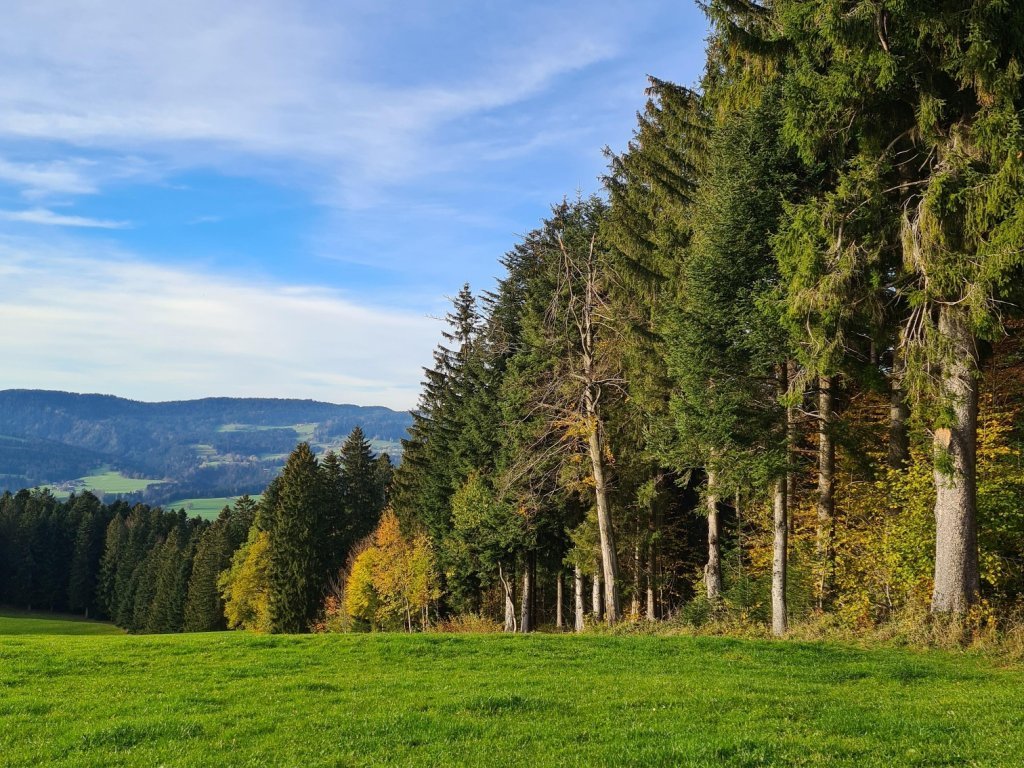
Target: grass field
x,y
205,508
346,700
302,431
115,482
106,481
25,623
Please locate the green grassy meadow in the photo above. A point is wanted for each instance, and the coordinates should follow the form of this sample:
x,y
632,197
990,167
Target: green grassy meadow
x,y
207,509
104,480
351,700
31,623
115,482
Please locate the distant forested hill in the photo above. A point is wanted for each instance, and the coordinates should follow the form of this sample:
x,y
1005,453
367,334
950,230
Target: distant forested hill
x,y
216,446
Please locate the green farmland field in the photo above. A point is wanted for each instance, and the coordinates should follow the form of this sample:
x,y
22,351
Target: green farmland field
x,y
351,700
207,509
115,482
106,481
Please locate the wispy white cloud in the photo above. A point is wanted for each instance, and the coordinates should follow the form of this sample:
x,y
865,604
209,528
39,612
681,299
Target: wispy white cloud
x,y
41,179
115,324
200,82
50,218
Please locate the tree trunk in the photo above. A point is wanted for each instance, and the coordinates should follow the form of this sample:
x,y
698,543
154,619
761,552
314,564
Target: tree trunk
x,y
577,594
739,536
558,601
534,601
597,596
507,587
634,607
713,569
789,375
779,610
526,600
652,576
954,443
826,488
899,415
781,533
609,561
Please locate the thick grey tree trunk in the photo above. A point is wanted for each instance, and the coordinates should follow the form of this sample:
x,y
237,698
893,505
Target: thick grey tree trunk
x,y
955,449
713,569
826,489
780,514
577,593
779,564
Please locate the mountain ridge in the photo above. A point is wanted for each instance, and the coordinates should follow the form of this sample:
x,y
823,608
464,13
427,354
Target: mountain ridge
x,y
211,446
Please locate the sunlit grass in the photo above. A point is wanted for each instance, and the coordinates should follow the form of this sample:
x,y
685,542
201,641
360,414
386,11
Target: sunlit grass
x,y
27,623
208,509
239,699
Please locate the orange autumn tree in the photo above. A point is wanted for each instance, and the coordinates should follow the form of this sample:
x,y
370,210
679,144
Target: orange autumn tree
x,y
393,580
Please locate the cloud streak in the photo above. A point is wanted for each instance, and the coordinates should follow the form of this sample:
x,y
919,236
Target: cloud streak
x,y
50,218
121,326
199,81
42,179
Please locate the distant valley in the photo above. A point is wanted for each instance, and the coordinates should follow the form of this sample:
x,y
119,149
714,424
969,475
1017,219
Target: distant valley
x,y
208,449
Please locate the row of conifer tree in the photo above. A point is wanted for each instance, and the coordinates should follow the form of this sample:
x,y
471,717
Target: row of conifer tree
x,y
776,365
153,570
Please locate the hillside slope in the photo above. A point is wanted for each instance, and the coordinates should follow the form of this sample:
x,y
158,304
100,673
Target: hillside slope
x,y
216,446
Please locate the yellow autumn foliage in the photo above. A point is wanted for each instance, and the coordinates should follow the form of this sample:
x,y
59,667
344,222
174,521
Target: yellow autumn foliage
x,y
245,586
392,580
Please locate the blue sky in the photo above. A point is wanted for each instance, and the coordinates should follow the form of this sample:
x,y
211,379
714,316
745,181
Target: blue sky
x,y
274,198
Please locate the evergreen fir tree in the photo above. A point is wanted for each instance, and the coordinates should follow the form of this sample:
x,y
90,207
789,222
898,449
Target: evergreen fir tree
x,y
360,484
298,573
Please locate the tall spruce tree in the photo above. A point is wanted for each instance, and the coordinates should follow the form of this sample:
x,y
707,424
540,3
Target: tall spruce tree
x,y
361,492
725,342
648,228
204,605
297,574
85,562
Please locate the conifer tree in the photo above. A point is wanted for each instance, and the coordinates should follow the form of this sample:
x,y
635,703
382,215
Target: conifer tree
x,y
297,572
114,543
384,474
431,471
336,537
653,188
85,562
361,496
204,607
